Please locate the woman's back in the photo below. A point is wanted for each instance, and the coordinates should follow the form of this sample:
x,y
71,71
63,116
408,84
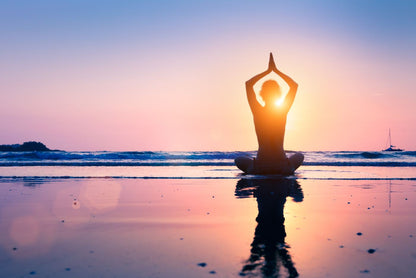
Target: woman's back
x,y
270,125
270,130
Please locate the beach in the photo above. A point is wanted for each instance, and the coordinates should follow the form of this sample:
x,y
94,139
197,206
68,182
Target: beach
x,y
160,139
226,225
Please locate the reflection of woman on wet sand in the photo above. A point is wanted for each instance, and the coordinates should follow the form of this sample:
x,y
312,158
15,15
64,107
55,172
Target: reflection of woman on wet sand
x,y
270,124
269,255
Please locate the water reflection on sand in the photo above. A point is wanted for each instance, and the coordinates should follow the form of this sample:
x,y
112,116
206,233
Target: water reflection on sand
x,y
106,227
269,254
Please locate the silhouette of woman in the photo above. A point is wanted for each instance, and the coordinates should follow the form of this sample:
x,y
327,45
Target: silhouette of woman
x,y
270,125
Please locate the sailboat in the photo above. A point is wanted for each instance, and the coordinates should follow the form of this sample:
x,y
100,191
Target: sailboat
x,y
391,148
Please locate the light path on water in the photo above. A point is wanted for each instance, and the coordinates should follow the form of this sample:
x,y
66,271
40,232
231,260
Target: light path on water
x,y
206,172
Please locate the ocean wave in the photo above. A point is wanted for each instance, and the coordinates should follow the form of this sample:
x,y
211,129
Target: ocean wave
x,y
119,156
193,163
214,158
369,155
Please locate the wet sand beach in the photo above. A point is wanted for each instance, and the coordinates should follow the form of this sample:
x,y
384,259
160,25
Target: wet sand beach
x,y
105,227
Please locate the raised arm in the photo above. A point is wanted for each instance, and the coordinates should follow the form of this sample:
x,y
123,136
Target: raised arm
x,y
293,86
251,95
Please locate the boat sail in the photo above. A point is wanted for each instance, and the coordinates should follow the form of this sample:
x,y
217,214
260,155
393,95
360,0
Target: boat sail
x,y
391,148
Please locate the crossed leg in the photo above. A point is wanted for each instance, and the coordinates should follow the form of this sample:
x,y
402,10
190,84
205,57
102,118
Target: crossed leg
x,y
296,160
246,164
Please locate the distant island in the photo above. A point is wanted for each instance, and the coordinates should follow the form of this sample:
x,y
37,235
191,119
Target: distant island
x,y
30,146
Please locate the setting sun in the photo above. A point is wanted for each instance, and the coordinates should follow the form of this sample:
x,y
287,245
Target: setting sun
x,y
278,102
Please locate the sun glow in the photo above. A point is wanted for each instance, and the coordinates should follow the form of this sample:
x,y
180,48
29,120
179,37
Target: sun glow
x,y
278,102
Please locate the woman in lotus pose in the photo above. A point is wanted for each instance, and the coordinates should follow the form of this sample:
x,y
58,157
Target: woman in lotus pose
x,y
270,124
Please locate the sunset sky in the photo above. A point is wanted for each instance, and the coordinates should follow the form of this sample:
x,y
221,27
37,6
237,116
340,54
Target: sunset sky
x,y
169,75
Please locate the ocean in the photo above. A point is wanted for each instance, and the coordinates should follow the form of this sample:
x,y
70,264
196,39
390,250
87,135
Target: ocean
x,y
201,164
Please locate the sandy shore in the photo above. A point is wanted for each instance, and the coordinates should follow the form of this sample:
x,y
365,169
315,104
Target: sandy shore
x,y
207,228
205,172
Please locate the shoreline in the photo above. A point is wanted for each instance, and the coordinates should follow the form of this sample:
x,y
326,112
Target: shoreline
x,y
205,172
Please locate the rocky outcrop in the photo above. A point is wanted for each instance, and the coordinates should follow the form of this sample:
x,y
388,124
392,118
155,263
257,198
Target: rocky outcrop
x,y
25,147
